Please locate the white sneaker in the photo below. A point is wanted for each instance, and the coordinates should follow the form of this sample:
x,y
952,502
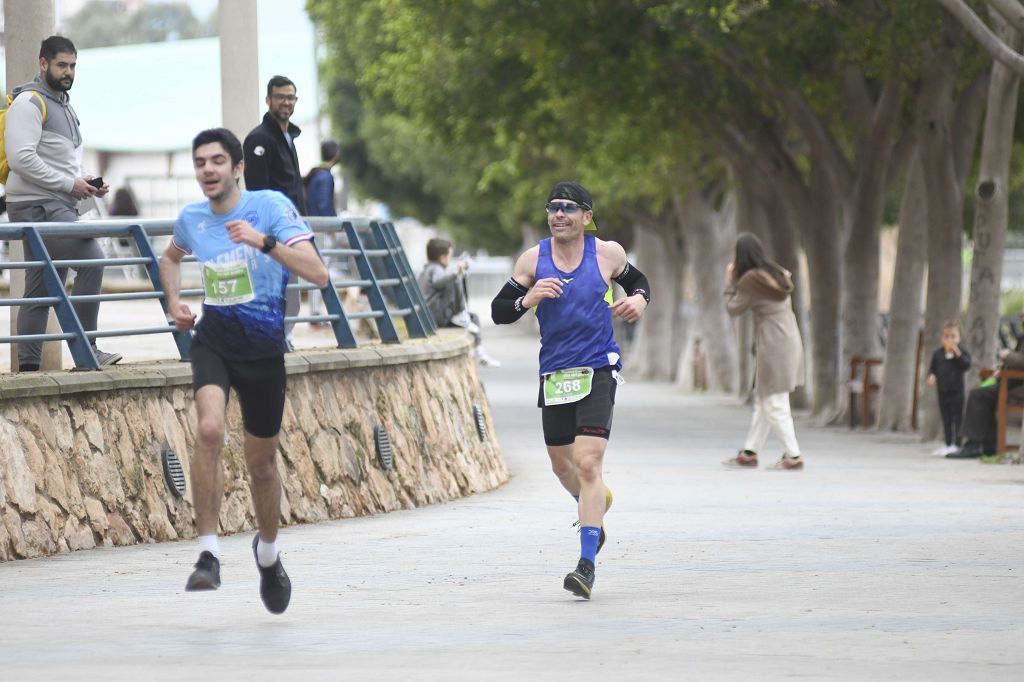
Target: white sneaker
x,y
486,360
941,451
950,449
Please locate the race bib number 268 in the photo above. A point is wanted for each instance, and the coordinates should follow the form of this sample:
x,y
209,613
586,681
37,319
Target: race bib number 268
x,y
567,385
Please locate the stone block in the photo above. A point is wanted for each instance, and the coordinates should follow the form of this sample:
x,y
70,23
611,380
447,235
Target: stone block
x,y
326,361
175,374
362,357
295,363
29,384
140,376
82,382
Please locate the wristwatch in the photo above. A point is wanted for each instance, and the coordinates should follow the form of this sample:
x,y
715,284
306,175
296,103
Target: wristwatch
x,y
268,244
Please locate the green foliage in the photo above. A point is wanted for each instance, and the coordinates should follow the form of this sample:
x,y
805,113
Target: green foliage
x,y
465,112
1011,303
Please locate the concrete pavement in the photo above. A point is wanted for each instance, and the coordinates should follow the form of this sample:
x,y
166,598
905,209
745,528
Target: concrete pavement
x,y
878,562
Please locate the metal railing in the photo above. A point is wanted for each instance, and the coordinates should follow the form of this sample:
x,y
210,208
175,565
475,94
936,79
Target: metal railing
x,y
384,275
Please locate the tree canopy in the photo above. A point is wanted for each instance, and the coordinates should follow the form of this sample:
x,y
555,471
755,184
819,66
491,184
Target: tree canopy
x,y
105,24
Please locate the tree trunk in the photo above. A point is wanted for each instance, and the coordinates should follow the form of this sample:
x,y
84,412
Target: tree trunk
x,y
991,209
655,350
711,242
945,217
896,399
860,302
820,229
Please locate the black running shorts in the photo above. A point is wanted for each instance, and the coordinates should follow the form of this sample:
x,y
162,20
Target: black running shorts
x,y
591,416
259,384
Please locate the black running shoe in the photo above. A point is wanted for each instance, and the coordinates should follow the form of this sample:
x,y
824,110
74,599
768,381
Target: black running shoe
x,y
207,574
275,587
581,581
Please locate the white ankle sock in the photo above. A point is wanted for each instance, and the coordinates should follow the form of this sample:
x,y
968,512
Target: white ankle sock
x,y
208,543
266,553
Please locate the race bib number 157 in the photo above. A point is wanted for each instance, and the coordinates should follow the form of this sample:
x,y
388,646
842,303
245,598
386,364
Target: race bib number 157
x,y
227,283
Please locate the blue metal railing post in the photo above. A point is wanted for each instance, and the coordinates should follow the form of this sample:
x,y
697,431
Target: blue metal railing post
x,y
342,331
385,325
392,235
406,299
181,339
81,349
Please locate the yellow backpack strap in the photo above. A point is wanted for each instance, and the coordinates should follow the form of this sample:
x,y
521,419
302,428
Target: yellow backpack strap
x,y
42,103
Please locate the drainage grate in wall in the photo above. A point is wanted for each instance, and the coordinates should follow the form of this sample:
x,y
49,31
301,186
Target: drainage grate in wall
x,y
481,423
385,454
173,473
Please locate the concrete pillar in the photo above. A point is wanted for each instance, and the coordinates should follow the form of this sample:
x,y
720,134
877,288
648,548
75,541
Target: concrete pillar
x,y
240,89
26,23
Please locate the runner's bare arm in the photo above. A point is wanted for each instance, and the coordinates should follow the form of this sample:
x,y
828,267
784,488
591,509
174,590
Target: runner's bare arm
x,y
517,296
301,258
170,278
634,282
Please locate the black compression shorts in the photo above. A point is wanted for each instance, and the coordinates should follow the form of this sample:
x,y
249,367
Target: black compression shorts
x,y
260,386
591,416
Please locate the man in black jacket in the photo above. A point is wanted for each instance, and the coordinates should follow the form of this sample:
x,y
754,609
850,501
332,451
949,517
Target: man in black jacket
x,y
272,163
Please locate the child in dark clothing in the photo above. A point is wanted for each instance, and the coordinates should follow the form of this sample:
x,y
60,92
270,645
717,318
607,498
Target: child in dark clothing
x,y
946,372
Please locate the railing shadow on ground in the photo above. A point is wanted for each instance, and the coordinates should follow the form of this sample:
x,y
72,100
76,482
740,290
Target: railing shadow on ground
x,y
381,270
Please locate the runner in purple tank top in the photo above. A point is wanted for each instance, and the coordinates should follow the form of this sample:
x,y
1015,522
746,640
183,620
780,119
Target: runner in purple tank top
x,y
567,279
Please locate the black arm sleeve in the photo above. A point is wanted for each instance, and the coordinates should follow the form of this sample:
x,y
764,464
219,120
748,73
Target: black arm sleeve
x,y
634,282
507,306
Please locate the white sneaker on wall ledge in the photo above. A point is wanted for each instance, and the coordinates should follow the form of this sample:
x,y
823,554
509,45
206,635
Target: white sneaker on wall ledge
x,y
484,359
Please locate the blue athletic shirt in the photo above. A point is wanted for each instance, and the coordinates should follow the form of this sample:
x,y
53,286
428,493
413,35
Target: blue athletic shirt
x,y
252,330
575,328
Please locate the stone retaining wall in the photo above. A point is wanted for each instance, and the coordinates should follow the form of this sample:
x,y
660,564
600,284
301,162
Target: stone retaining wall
x,y
80,452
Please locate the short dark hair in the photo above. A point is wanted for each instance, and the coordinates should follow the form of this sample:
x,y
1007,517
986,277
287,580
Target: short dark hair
x,y
329,150
226,138
279,82
436,248
53,45
952,324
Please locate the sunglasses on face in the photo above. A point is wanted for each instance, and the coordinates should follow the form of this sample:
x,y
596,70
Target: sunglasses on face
x,y
568,209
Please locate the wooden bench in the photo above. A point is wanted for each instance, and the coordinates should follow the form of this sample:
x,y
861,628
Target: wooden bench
x,y
862,389
1005,407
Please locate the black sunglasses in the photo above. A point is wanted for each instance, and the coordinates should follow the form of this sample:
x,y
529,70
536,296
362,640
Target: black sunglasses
x,y
568,209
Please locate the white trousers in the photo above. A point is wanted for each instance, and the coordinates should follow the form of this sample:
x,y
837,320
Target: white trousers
x,y
772,413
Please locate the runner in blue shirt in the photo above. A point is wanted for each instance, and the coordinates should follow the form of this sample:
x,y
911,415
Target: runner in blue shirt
x,y
567,278
246,243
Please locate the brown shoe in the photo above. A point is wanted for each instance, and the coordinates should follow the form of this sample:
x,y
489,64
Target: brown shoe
x,y
742,460
788,464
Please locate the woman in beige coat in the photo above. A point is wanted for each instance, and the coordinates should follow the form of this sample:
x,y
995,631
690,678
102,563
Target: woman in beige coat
x,y
757,284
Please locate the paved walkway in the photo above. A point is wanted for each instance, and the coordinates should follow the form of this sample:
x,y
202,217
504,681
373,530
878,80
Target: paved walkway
x,y
878,562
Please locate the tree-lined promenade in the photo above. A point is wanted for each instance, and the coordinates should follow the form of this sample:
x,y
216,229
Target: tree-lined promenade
x,y
809,123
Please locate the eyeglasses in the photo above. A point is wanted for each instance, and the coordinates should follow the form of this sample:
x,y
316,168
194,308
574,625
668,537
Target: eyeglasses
x,y
284,98
567,209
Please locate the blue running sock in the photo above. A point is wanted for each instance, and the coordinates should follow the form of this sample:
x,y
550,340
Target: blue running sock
x,y
589,536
